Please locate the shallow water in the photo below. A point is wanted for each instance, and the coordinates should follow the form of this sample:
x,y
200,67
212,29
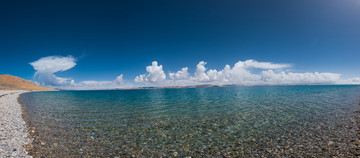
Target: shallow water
x,y
231,121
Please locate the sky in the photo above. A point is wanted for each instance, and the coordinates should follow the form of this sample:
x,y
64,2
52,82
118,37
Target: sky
x,y
97,44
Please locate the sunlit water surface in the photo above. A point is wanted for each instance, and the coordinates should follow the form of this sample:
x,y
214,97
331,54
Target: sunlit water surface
x,y
242,121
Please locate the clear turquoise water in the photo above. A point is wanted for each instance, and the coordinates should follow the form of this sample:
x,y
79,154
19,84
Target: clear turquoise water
x,y
228,121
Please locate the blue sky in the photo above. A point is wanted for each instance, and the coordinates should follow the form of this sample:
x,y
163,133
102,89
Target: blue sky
x,y
123,37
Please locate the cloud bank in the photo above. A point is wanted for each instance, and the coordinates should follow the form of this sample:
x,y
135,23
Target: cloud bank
x,y
242,73
248,72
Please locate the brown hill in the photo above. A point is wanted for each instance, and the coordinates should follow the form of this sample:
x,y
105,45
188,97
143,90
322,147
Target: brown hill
x,y
8,82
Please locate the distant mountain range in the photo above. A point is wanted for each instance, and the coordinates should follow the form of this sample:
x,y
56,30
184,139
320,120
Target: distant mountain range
x,y
172,87
8,82
210,85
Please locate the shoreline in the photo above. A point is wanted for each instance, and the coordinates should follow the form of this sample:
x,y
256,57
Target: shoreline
x,y
14,135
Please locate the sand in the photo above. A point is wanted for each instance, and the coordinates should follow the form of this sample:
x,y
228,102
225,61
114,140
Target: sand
x,y
13,129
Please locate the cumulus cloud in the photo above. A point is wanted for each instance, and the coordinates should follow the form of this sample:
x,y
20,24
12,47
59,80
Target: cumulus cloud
x,y
155,74
182,74
241,73
200,74
46,67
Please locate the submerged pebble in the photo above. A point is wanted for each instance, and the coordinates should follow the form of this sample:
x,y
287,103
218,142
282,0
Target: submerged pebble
x,y
215,122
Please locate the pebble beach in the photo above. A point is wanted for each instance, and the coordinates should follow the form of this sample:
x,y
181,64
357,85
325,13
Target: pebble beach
x,y
13,130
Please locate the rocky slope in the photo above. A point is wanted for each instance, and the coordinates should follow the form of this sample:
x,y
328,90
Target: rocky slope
x,y
8,82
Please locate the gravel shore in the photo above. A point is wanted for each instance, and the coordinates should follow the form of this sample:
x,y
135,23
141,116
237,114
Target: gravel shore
x,y
13,130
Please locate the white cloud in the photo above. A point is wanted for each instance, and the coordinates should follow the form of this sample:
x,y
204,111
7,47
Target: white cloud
x,y
200,74
355,80
155,74
47,66
117,83
119,80
241,74
182,74
299,78
261,65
